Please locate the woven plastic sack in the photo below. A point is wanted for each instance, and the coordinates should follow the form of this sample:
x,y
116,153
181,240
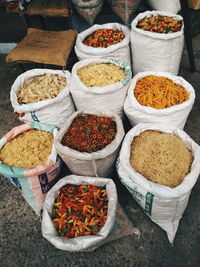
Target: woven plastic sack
x,y
164,205
33,183
53,111
88,9
172,6
110,97
175,115
99,163
156,51
124,8
120,51
82,242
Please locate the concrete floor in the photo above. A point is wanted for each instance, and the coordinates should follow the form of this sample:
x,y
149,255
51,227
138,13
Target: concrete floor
x,y
22,243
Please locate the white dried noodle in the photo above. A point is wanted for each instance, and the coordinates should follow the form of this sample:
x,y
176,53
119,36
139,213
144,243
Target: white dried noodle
x,y
162,158
101,74
27,150
40,87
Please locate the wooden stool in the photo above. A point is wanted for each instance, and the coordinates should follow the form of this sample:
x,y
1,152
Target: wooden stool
x,y
48,8
46,47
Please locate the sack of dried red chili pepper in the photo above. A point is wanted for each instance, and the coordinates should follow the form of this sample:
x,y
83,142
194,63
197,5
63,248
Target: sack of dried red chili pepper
x,y
157,41
79,212
88,9
106,40
99,87
89,142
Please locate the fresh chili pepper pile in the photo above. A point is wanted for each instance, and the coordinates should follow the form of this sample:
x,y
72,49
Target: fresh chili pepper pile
x,y
160,24
104,38
90,133
80,210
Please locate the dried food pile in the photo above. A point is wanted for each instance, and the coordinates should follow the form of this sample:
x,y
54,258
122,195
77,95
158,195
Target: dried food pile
x,y
90,133
160,24
162,158
80,210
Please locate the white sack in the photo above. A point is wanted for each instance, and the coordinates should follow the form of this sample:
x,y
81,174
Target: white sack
x,y
110,97
175,115
88,9
119,51
51,111
99,163
164,205
172,6
156,51
82,242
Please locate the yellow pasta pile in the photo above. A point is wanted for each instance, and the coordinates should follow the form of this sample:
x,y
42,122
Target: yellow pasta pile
x,y
28,149
101,74
159,92
40,87
162,158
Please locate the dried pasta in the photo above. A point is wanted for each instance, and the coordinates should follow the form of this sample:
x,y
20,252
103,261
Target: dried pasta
x,y
159,92
162,158
101,74
40,87
28,149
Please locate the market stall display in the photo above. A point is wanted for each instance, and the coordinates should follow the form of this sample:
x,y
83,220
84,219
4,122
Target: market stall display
x,y
163,204
42,95
158,97
156,51
96,137
106,40
30,161
98,96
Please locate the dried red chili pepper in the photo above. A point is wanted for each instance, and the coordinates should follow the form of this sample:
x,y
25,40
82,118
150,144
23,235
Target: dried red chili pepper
x,y
80,210
104,38
90,133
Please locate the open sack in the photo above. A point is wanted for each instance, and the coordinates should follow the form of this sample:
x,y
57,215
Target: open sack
x,y
82,242
99,163
163,204
156,51
33,183
175,115
110,97
120,51
53,111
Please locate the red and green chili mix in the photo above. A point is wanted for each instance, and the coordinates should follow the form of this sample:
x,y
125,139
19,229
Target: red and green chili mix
x,y
104,38
80,210
160,24
90,133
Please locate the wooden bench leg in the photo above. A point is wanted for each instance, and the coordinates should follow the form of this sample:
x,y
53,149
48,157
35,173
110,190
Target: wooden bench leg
x,y
187,32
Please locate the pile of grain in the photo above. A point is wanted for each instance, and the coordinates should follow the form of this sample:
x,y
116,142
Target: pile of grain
x,y
160,157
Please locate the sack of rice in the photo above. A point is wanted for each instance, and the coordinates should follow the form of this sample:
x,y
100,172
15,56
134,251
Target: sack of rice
x,y
157,41
106,40
124,8
171,6
88,9
42,95
159,97
29,160
100,83
159,165
89,142
97,201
